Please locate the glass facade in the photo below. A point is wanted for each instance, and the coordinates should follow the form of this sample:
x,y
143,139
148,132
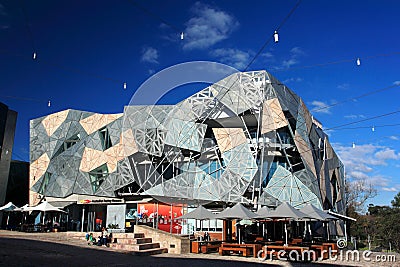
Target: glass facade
x,y
247,138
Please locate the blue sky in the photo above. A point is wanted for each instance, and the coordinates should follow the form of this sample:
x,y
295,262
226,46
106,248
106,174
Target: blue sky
x,y
86,50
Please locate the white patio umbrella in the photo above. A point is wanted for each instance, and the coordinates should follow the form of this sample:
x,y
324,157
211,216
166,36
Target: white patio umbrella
x,y
8,207
23,210
263,213
44,207
200,213
286,211
237,212
318,214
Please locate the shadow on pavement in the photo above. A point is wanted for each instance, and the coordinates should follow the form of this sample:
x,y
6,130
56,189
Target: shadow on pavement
x,y
25,252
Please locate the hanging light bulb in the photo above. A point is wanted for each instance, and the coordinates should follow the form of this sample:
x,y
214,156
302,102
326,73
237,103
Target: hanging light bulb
x,y
34,55
182,35
358,62
276,37
49,103
354,145
373,128
125,85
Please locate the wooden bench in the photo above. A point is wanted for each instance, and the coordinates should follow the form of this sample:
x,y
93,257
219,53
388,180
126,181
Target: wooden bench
x,y
205,246
332,246
245,249
322,251
296,241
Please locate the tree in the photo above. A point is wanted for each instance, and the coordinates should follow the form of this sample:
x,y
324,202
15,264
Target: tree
x,y
358,192
384,224
396,201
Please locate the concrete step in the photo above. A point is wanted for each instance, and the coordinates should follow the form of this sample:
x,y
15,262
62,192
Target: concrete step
x,y
128,235
132,241
135,247
152,251
145,246
138,235
123,235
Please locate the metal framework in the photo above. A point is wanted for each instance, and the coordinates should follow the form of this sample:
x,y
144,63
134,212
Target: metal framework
x,y
247,138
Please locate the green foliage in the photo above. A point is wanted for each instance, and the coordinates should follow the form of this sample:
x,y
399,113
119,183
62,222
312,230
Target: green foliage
x,y
381,224
396,201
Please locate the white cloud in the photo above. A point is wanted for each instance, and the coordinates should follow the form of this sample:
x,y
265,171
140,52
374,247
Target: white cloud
x,y
354,116
393,137
343,86
150,55
396,83
294,54
290,80
290,62
296,51
363,163
387,154
151,71
268,56
390,189
208,27
319,107
233,57
362,168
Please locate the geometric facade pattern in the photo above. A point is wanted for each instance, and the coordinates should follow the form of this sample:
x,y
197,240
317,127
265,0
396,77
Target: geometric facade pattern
x,y
246,138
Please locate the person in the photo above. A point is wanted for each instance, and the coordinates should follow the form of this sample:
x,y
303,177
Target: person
x,y
91,240
104,235
206,237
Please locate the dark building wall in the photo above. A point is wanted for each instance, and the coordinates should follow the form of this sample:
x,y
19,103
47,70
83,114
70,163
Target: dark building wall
x,y
18,183
8,119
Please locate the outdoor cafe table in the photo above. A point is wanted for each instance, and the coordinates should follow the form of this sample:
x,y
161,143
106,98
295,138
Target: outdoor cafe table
x,y
332,246
246,249
319,249
204,246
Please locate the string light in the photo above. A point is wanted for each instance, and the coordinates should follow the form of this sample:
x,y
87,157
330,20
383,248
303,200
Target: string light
x,y
276,36
358,62
125,85
182,35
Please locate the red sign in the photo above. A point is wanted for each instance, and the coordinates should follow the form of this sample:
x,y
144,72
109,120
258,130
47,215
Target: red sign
x,y
147,211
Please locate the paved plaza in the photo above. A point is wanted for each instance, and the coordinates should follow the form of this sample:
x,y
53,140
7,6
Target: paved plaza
x,y
51,249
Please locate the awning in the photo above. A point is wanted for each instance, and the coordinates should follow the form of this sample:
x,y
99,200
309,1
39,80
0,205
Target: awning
x,y
61,204
340,216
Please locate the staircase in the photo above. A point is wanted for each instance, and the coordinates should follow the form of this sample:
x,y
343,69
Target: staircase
x,y
136,243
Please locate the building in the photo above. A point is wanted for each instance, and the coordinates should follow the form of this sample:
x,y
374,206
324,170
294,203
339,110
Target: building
x,y
8,120
247,138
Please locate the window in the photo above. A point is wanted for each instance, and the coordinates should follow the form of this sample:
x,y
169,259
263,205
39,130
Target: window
x,y
69,142
105,138
45,182
97,176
